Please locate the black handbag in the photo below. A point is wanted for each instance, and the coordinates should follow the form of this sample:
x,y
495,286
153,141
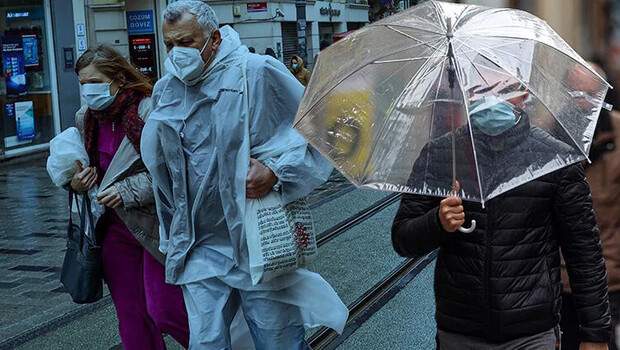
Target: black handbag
x,y
82,268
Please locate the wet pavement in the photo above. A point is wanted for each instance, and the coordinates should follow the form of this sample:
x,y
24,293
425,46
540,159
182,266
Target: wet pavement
x,y
36,314
33,214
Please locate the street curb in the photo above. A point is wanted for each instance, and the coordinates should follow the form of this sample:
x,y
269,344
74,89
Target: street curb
x,y
53,324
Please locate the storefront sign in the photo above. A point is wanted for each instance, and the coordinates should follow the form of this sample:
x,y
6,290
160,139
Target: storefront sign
x,y
24,14
80,29
257,7
140,22
24,120
13,64
142,54
328,11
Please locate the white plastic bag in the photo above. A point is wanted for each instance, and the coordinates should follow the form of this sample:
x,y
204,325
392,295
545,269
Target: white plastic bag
x,y
65,149
280,238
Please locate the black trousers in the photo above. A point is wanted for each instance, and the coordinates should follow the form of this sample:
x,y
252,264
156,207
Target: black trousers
x,y
569,323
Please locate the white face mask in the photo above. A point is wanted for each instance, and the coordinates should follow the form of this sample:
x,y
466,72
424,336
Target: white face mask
x,y
97,95
186,64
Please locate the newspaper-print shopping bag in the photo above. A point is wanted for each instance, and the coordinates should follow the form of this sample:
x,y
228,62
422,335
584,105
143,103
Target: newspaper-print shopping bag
x,y
280,238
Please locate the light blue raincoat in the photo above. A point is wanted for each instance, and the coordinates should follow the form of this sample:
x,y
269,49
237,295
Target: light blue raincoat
x,y
196,146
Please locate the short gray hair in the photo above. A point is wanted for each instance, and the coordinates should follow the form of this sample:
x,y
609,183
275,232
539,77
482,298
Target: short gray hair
x,y
204,14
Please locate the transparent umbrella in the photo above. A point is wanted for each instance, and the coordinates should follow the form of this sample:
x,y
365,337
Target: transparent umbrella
x,y
403,104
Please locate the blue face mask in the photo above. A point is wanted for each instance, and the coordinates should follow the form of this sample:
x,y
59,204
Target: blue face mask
x,y
97,95
492,115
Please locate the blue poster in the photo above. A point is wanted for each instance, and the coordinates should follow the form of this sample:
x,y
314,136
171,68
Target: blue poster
x,y
13,65
24,120
31,50
140,22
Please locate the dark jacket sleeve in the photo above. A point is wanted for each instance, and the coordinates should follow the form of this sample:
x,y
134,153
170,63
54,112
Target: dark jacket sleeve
x,y
581,247
416,229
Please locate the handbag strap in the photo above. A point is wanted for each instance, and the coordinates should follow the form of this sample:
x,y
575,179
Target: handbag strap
x,y
70,207
73,195
85,210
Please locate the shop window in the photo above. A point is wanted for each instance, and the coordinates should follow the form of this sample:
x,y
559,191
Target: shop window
x,y
25,91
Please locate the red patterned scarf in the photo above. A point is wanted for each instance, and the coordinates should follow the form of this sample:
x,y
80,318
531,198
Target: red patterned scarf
x,y
124,109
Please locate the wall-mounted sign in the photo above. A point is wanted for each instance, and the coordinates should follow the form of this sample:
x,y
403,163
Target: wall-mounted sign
x,y
80,29
328,11
81,43
140,22
68,57
142,54
257,7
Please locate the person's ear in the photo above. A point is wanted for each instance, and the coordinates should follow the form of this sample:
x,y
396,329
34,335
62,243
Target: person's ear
x,y
216,40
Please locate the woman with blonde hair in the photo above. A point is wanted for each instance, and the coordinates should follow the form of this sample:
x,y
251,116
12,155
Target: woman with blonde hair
x,y
118,102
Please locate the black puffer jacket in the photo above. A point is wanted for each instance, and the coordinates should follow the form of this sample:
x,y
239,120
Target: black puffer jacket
x,y
502,281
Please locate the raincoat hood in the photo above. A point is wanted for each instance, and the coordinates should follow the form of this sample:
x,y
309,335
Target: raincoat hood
x,y
225,52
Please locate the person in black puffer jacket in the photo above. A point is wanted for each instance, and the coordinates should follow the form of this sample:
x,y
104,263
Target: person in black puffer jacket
x,y
499,286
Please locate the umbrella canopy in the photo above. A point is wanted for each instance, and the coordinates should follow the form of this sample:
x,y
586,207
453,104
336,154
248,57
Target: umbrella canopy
x,y
397,105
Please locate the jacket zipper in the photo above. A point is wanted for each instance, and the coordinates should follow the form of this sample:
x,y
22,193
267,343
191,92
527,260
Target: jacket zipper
x,y
487,267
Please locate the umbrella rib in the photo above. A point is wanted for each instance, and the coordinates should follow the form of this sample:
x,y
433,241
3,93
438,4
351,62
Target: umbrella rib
x,y
430,129
416,39
434,24
526,61
471,135
404,26
543,43
439,14
349,75
460,16
505,71
393,107
539,99
496,48
477,70
402,60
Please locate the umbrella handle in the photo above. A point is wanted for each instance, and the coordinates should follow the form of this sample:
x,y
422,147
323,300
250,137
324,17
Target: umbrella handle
x,y
470,229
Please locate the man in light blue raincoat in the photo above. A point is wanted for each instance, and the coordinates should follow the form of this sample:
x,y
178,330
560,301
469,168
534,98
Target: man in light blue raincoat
x,y
220,132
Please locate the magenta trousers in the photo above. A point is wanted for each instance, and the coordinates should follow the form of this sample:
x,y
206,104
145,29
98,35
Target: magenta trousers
x,y
145,305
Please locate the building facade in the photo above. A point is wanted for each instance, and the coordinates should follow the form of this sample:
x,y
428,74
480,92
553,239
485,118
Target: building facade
x,y
42,39
288,29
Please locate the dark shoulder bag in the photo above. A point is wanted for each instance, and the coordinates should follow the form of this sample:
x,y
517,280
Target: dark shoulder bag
x,y
82,272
